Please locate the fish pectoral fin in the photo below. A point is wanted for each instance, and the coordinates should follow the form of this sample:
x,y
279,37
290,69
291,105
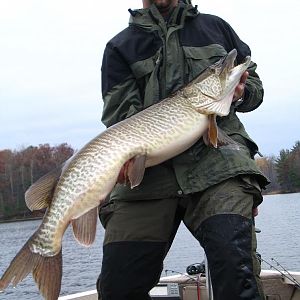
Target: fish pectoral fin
x,y
216,137
123,177
225,141
39,194
132,172
84,227
136,170
211,136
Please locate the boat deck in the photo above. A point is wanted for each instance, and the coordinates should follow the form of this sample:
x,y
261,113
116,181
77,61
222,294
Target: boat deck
x,y
276,287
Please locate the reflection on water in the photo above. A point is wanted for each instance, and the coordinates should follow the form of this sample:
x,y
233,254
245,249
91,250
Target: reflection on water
x,y
279,219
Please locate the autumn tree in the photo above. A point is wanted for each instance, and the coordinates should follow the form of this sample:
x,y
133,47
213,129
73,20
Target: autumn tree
x,y
267,166
19,169
288,168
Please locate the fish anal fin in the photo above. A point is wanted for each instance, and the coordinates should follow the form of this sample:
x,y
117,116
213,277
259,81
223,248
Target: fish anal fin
x,y
39,194
84,227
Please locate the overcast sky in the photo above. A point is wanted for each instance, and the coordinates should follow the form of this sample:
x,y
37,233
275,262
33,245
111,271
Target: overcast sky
x,y
50,60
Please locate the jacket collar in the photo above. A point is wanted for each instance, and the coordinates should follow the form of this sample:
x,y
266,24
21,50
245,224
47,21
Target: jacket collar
x,y
150,18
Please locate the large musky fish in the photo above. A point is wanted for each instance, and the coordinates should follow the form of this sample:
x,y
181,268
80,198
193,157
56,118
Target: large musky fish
x,y
73,193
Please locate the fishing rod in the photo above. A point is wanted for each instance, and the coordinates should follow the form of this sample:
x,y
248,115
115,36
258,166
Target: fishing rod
x,y
290,277
285,270
208,280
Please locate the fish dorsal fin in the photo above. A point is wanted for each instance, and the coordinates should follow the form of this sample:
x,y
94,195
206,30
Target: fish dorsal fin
x,y
133,171
39,195
84,227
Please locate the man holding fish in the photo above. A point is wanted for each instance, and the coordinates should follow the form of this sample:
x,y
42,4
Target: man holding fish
x,y
174,151
213,189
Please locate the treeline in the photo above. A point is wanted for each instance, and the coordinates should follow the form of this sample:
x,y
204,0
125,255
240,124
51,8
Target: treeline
x,y
283,171
19,169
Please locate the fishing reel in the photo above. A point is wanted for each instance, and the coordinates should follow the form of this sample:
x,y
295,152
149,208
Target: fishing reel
x,y
196,269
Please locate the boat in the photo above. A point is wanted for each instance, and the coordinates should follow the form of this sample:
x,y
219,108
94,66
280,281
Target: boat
x,y
277,285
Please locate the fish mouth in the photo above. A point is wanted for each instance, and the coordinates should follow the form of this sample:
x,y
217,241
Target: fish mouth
x,y
227,64
229,74
217,85
226,76
241,68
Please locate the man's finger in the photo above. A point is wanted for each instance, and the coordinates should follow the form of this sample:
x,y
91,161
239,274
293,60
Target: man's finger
x,y
239,90
255,212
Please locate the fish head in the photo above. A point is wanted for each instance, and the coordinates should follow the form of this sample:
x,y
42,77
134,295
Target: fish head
x,y
212,91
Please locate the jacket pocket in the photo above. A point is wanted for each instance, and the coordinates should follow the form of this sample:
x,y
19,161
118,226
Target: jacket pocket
x,y
146,74
141,68
197,59
251,186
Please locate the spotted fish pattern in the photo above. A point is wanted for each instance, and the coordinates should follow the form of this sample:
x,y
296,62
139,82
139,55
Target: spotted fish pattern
x,y
155,134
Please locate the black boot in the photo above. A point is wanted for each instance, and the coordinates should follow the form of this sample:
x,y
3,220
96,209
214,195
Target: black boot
x,y
229,243
130,270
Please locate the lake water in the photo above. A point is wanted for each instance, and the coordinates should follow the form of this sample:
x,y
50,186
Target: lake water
x,y
279,220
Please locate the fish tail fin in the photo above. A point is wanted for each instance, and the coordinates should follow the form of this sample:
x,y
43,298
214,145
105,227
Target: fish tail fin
x,y
19,268
48,274
47,271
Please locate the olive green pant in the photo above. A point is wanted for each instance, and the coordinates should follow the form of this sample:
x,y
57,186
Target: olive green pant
x,y
158,220
154,220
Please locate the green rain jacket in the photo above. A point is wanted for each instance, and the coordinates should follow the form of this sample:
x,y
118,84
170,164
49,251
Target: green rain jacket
x,y
154,57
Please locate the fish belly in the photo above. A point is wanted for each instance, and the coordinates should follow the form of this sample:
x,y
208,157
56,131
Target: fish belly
x,y
188,135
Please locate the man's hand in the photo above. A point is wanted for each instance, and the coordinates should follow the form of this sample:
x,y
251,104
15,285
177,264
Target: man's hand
x,y
239,90
255,211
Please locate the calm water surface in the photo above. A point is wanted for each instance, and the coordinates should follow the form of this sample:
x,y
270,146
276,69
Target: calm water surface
x,y
279,220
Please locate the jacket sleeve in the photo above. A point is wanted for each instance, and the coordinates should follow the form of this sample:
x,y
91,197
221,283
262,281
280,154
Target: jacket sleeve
x,y
254,91
120,92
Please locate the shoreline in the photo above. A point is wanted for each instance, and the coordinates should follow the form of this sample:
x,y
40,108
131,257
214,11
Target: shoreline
x,y
20,220
41,216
